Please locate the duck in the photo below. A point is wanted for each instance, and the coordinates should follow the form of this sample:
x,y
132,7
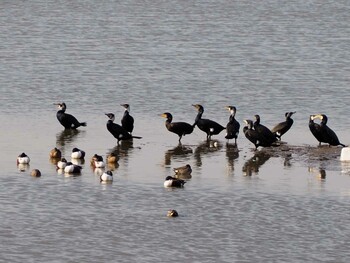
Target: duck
x,y
23,159
172,213
55,153
72,168
127,121
112,158
106,176
77,153
208,126
97,161
62,163
35,173
66,120
173,182
282,127
183,170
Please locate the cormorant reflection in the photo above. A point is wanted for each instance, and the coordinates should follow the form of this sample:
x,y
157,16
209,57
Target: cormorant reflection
x,y
206,147
66,136
232,153
253,164
179,151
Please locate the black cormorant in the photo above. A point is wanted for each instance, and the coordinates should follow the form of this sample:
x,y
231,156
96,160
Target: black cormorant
x,y
127,120
118,131
232,127
283,127
322,132
265,133
253,136
179,128
208,126
68,121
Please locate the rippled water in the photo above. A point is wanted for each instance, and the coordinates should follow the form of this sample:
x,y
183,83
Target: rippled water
x,y
265,57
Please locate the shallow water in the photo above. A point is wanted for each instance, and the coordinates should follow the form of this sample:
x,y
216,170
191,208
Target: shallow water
x,y
240,205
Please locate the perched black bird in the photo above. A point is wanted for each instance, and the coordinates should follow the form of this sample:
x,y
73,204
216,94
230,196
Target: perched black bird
x,y
282,127
179,128
68,121
232,127
322,132
208,126
127,120
266,135
255,137
118,131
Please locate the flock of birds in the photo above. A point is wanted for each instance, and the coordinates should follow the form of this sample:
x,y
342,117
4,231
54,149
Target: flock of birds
x,y
254,131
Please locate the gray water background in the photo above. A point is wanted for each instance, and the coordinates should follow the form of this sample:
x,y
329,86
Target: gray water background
x,y
264,57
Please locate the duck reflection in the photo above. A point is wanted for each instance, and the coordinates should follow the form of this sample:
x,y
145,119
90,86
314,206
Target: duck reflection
x,y
206,147
179,151
66,136
232,153
253,164
320,172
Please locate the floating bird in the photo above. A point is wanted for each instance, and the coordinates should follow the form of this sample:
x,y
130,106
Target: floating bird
x,y
97,161
173,182
118,131
106,176
183,170
72,168
112,158
68,121
55,153
23,159
35,173
265,134
282,127
127,120
232,127
172,213
179,128
208,126
62,163
253,136
77,154
322,132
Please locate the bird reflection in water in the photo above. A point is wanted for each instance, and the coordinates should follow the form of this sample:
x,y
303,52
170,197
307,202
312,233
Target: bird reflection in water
x,y
207,147
66,136
320,172
179,151
253,164
232,153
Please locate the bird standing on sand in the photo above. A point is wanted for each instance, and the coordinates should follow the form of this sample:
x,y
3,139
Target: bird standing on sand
x,y
282,127
265,134
68,121
127,120
179,128
208,126
232,127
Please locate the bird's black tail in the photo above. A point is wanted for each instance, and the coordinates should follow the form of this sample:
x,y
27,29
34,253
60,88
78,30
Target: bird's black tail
x,y
136,137
83,124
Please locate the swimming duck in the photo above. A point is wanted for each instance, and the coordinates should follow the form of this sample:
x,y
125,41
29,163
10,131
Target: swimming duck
x,y
106,176
183,170
35,173
172,213
97,161
173,182
72,168
112,158
77,154
55,153
62,163
23,159
67,121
